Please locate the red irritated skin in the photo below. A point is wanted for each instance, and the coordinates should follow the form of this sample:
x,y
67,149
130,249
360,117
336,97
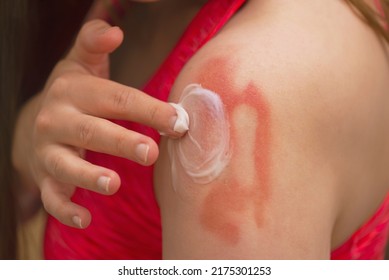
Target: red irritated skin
x,y
239,212
307,135
242,189
230,198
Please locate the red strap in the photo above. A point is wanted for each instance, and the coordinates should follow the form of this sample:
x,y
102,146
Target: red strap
x,y
204,26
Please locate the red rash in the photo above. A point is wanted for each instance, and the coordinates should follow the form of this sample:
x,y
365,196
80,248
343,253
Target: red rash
x,y
228,202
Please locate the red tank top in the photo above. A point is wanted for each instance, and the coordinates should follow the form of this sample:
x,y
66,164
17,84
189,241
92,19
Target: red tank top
x,y
127,225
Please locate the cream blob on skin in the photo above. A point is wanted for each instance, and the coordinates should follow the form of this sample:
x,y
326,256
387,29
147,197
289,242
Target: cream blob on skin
x,y
204,151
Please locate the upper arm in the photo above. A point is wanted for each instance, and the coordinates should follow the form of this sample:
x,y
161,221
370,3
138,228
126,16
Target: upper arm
x,y
245,182
272,193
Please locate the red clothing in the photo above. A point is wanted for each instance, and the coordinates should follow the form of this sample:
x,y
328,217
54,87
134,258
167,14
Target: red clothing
x,y
127,225
369,241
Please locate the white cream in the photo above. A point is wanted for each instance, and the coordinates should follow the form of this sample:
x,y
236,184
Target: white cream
x,y
204,151
182,123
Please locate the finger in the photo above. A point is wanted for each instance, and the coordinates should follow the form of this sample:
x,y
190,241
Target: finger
x,y
95,40
108,99
56,200
67,167
100,135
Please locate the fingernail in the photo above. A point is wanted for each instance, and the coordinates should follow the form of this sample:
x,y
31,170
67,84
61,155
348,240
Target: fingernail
x,y
104,29
142,152
103,183
173,121
77,221
180,122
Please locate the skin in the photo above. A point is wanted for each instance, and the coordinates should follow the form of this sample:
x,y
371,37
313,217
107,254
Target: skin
x,y
310,173
247,137
305,170
243,108
79,96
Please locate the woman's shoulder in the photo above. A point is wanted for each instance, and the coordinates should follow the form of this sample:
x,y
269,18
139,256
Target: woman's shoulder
x,y
294,95
318,67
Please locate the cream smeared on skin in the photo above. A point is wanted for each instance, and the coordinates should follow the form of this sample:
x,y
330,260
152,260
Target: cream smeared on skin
x,y
182,123
204,151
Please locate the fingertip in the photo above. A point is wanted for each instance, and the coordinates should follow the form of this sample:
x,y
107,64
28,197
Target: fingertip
x,y
74,215
116,33
146,152
177,123
96,38
109,182
57,203
153,154
80,219
109,39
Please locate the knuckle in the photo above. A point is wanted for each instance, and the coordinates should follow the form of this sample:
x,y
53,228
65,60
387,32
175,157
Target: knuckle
x,y
60,83
121,144
86,131
59,87
61,64
56,165
85,29
43,122
82,179
153,114
122,100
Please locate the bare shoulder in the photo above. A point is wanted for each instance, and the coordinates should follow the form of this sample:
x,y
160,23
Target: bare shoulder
x,y
261,172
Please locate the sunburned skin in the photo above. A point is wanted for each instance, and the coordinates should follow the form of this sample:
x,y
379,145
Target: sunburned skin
x,y
201,155
235,137
245,189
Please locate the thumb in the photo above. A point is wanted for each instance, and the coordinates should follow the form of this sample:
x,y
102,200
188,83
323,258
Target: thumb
x,y
94,42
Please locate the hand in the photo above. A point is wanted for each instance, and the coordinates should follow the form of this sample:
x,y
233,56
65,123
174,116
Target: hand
x,y
69,116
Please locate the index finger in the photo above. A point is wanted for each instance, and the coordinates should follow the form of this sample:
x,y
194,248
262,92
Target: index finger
x,y
107,99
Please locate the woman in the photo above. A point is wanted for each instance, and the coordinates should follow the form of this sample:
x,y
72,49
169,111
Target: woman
x,y
291,138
